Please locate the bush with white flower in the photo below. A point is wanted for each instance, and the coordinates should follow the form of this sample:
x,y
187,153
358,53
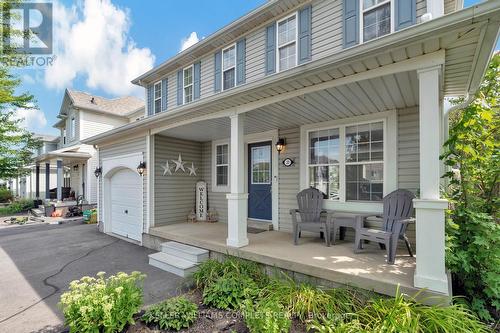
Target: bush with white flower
x,y
99,304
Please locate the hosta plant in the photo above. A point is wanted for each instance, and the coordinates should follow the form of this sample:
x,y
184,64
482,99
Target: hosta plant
x,y
99,304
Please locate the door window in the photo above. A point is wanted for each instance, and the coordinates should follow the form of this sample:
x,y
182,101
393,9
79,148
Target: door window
x,y
261,165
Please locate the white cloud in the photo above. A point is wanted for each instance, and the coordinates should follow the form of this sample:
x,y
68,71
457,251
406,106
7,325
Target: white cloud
x,y
32,119
189,41
27,79
91,40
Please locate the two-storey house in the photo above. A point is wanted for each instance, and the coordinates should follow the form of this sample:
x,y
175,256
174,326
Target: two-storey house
x,y
81,116
342,95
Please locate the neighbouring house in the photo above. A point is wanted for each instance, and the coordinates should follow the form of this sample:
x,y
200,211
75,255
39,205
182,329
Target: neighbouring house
x,y
25,186
65,166
352,90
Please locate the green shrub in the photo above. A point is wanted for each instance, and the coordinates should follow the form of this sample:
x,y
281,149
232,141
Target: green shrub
x,y
211,270
100,304
17,207
229,292
5,194
175,313
269,317
398,314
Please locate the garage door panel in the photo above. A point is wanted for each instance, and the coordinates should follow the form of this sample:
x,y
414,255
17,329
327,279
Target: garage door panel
x,y
126,204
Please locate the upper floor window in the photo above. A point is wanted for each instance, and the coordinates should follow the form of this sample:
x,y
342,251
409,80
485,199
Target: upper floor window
x,y
229,67
188,84
73,127
376,20
64,136
157,97
287,43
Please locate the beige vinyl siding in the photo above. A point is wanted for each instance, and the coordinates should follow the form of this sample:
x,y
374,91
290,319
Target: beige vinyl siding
x,y
449,6
408,149
119,149
207,76
326,35
172,91
421,9
216,200
92,123
289,184
175,194
255,55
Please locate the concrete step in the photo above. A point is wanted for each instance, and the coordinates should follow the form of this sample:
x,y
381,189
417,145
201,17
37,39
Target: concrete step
x,y
172,264
264,225
183,251
38,212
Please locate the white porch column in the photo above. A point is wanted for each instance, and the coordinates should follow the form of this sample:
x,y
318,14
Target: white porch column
x,y
430,237
59,179
435,8
237,205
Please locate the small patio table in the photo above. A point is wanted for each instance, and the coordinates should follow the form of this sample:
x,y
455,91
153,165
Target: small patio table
x,y
341,220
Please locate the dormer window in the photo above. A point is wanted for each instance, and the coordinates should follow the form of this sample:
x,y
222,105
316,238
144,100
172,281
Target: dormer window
x,y
188,84
157,97
287,43
229,67
376,19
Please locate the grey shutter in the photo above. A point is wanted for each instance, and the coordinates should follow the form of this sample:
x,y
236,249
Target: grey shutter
x,y
240,61
218,71
305,34
164,87
150,92
351,23
196,80
406,13
179,88
271,49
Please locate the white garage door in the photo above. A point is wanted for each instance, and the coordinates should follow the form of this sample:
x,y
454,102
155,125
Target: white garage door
x,y
126,204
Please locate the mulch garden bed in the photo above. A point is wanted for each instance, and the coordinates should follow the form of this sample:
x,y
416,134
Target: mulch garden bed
x,y
210,320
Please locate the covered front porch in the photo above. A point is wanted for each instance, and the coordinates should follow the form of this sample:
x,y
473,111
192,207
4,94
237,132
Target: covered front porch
x,y
311,260
356,138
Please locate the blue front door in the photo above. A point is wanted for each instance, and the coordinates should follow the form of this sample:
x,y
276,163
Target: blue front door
x,y
260,181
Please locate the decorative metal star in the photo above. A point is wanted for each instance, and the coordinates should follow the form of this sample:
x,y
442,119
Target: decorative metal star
x,y
167,169
192,170
179,164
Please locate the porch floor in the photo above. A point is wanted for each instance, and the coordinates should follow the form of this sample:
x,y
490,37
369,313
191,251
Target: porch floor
x,y
338,263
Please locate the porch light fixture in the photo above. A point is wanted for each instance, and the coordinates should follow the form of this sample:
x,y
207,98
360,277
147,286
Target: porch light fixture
x,y
141,167
280,145
98,172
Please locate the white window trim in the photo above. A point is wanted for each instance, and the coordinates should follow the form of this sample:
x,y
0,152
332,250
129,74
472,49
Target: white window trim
x,y
389,119
224,70
215,187
184,86
159,98
278,47
72,127
363,11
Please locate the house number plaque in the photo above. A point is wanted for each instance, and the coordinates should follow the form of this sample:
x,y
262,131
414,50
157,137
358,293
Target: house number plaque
x,y
201,201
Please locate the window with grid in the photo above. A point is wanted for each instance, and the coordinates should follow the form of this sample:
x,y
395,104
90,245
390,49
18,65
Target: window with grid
x,y
188,84
324,162
347,162
229,68
261,165
157,97
364,158
287,43
73,128
222,165
376,18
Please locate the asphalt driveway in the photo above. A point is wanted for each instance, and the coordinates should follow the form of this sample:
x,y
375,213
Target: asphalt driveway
x,y
38,262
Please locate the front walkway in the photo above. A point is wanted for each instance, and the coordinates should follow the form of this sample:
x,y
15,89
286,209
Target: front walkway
x,y
337,263
39,261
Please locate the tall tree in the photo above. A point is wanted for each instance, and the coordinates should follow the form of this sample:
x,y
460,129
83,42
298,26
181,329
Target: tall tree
x,y
16,142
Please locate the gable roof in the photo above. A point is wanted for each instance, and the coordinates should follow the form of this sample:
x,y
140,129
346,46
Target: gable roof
x,y
121,106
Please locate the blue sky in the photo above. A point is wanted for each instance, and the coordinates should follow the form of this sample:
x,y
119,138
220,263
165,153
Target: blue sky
x,y
101,46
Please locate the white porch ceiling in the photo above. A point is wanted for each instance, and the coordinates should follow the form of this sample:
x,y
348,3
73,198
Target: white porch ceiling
x,y
380,94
